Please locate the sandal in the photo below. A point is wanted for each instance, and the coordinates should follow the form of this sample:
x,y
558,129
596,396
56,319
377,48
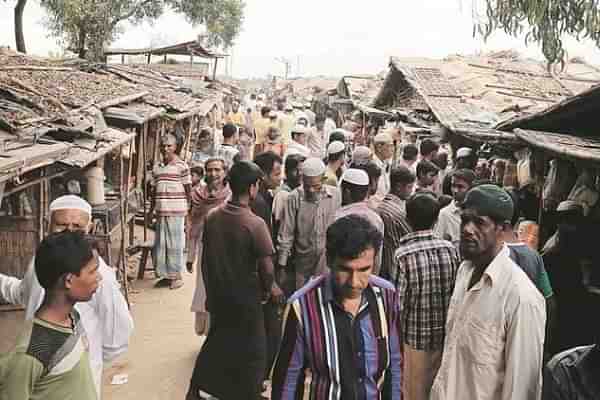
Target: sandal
x,y
176,284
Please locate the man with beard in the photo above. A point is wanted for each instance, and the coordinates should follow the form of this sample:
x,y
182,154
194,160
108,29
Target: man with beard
x,y
237,267
204,198
310,209
172,185
205,148
341,330
495,327
105,317
448,225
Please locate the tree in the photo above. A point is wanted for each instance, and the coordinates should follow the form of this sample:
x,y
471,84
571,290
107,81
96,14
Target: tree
x,y
87,26
543,21
18,19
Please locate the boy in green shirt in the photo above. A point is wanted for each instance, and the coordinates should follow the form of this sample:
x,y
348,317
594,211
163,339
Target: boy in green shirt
x,y
50,361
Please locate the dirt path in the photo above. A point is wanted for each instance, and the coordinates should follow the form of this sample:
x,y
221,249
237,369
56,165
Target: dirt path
x,y
163,348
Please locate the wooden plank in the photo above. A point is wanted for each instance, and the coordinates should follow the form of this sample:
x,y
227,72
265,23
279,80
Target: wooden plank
x,y
121,100
34,68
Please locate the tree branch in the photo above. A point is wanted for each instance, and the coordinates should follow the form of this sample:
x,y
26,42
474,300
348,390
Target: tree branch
x,y
130,13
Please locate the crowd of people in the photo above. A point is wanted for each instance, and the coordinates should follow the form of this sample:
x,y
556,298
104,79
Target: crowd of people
x,y
326,268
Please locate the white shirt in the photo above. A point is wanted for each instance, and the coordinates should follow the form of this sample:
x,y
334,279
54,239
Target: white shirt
x,y
448,224
328,127
383,186
105,318
494,336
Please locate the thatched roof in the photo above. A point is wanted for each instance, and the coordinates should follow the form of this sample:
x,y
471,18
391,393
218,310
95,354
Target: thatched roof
x,y
19,155
577,114
478,92
580,148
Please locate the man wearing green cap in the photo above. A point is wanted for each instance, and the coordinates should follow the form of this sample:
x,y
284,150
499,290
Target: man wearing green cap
x,y
495,326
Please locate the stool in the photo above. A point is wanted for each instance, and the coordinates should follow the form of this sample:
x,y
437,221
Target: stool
x,y
145,248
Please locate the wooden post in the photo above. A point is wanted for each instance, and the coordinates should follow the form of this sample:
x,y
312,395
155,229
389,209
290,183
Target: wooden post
x,y
149,57
165,59
191,60
122,58
123,191
215,69
144,132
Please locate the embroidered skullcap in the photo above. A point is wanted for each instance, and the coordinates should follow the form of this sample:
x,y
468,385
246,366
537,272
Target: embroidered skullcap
x,y
335,147
356,176
361,155
313,167
463,152
383,137
71,202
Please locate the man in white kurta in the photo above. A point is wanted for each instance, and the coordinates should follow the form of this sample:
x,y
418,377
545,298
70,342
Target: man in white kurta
x,y
495,327
106,318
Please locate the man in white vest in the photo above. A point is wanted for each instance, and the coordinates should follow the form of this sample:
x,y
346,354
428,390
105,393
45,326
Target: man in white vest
x,y
106,318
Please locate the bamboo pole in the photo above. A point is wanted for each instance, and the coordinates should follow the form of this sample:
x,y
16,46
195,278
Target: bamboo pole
x,y
142,157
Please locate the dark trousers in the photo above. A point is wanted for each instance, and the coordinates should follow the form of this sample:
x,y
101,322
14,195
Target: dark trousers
x,y
273,320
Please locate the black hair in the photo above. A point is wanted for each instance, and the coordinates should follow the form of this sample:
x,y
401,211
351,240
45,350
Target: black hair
x,y
410,152
242,175
229,130
339,136
349,236
266,160
319,118
265,110
401,175
293,161
205,132
514,195
371,168
441,160
60,254
198,170
329,113
428,146
466,175
336,156
444,200
357,192
425,167
422,210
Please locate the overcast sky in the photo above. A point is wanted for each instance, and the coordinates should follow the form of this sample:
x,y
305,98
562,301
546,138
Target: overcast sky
x,y
328,37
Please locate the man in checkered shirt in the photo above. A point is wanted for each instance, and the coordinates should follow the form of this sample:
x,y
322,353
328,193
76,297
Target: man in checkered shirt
x,y
423,272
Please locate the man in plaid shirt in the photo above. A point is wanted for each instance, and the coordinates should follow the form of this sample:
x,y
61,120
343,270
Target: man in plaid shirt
x,y
424,271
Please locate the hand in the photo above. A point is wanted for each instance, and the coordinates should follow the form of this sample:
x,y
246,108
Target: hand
x,y
277,295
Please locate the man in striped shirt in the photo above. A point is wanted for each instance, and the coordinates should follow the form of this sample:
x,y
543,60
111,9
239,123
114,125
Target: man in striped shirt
x,y
172,184
341,330
392,211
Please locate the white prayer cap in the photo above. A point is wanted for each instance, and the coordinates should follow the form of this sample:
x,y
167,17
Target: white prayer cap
x,y
300,129
288,107
356,177
272,114
169,138
335,147
313,167
361,155
383,137
463,152
71,202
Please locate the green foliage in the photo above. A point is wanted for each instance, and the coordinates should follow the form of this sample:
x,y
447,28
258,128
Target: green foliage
x,y
543,21
94,24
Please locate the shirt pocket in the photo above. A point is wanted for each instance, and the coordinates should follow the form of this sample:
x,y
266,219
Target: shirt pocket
x,y
479,342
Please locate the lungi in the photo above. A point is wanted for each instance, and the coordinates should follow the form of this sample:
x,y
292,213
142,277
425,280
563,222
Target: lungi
x,y
169,247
